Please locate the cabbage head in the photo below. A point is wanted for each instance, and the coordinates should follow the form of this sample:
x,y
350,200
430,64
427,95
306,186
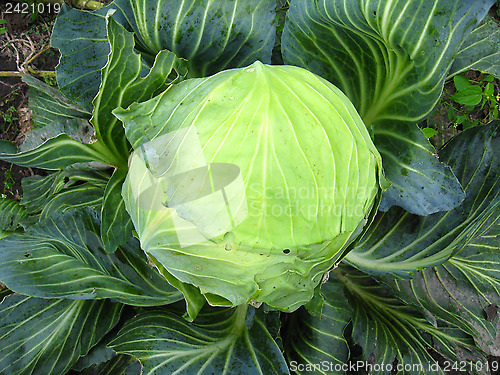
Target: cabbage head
x,y
250,184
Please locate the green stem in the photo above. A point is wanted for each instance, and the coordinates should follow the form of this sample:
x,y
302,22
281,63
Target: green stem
x,y
239,321
106,156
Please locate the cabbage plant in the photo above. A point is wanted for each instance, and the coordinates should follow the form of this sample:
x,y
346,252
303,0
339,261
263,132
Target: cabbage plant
x,y
243,189
249,184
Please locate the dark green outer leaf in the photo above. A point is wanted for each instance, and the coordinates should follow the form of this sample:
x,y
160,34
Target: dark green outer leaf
x,y
81,38
64,257
116,225
97,355
389,58
63,134
50,107
398,243
48,104
420,183
460,290
85,195
12,214
57,153
46,336
118,365
481,50
221,341
463,289
67,189
212,35
391,332
122,85
62,190
102,360
320,340
76,128
36,189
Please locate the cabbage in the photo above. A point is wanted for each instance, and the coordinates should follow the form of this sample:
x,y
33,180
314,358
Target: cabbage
x,y
250,183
